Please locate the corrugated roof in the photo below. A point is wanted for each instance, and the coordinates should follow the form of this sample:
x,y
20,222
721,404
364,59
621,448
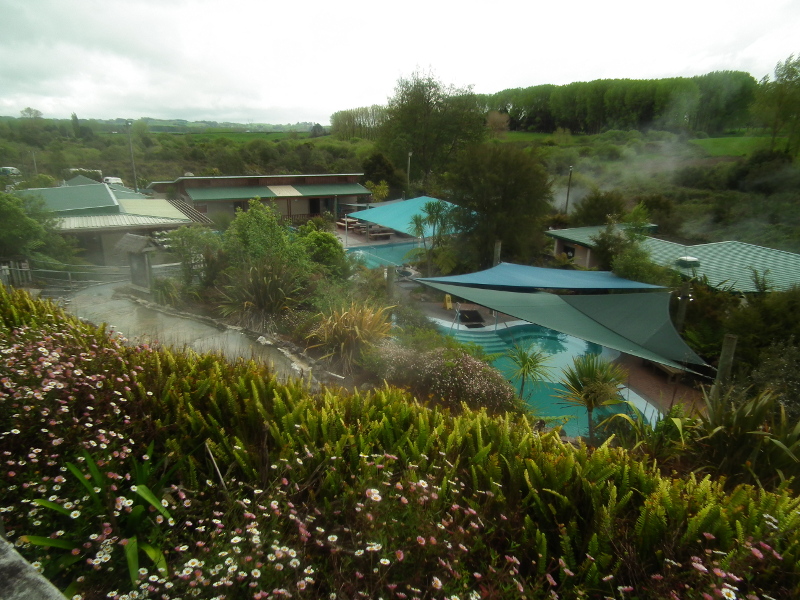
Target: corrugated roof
x,y
725,264
229,193
730,264
332,189
76,198
150,207
122,221
583,235
212,194
285,191
81,180
220,177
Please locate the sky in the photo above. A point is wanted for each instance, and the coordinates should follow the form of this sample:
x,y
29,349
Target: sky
x,y
261,61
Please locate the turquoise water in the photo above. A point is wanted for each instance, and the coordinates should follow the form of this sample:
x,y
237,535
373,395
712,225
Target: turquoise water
x,y
539,396
382,255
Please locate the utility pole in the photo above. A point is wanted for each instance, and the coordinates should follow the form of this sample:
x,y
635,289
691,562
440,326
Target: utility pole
x,y
133,164
408,175
569,185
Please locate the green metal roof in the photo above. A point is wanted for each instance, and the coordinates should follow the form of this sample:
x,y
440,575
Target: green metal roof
x,y
212,194
730,264
582,236
725,264
332,189
77,199
98,223
577,235
150,207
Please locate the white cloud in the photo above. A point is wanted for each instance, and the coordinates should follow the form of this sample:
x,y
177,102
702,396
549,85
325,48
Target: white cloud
x,y
267,61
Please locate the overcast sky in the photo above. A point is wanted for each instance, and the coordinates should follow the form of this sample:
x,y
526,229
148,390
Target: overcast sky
x,y
262,61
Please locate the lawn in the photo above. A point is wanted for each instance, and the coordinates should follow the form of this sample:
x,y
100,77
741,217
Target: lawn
x,y
732,146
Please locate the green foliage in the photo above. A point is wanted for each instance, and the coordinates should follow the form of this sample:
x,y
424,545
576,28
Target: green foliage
x,y
502,193
252,296
431,120
597,208
778,372
447,375
29,229
199,250
334,485
346,332
256,235
591,382
762,320
325,249
529,363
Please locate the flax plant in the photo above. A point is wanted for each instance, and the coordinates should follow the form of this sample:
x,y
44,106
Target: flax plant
x,y
346,332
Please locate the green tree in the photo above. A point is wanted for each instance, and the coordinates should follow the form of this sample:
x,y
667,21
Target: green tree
x,y
29,229
325,249
380,190
198,249
777,105
432,121
502,193
598,207
529,363
257,235
592,382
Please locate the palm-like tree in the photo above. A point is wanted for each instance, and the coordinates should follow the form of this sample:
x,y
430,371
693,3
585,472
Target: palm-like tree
x,y
530,363
592,382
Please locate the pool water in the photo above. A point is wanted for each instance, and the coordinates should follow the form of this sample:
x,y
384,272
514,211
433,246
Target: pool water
x,y
382,255
541,396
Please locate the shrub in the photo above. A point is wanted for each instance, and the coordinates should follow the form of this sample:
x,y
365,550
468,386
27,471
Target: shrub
x,y
345,333
448,377
280,491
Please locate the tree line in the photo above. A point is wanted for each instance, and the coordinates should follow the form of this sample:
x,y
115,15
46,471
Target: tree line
x,y
712,103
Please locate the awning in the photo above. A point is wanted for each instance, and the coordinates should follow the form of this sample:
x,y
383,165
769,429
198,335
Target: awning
x,y
521,278
397,214
634,323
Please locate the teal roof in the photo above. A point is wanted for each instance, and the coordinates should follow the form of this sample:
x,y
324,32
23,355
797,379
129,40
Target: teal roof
x,y
522,278
212,194
397,214
332,189
67,200
730,264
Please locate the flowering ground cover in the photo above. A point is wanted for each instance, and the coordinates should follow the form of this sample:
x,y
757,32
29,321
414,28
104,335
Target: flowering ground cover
x,y
139,472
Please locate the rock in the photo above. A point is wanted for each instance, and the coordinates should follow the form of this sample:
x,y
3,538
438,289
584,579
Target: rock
x,y
20,581
264,341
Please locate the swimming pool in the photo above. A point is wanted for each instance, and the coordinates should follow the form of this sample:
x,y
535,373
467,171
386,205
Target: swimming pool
x,y
562,349
383,255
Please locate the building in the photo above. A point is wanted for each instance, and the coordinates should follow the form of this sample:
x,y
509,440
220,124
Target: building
x,y
98,215
297,197
725,265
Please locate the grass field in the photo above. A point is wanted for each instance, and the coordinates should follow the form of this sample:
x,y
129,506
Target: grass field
x,y
526,136
732,146
247,136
